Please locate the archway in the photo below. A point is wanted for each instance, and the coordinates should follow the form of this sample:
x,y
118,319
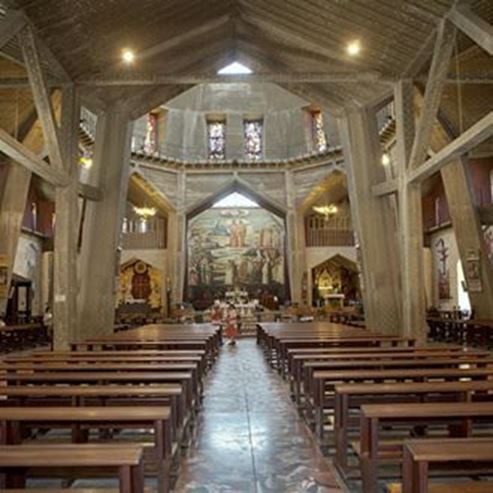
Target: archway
x,y
335,283
236,241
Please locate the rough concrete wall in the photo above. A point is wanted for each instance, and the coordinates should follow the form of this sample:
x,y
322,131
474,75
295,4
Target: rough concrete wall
x,y
199,187
305,180
272,185
165,181
287,129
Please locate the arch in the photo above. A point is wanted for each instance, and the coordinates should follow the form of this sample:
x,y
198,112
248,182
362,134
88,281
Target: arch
x,y
242,187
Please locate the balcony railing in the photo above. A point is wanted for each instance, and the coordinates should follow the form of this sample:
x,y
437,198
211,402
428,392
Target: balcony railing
x,y
145,235
329,237
336,231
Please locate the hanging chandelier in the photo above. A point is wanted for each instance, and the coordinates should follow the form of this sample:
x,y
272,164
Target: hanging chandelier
x,y
145,212
325,210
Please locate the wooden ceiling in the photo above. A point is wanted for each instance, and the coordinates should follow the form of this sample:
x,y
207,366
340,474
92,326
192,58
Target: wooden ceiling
x,y
282,36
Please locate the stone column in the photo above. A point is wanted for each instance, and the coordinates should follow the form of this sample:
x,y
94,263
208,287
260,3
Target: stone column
x,y
99,259
410,219
66,228
178,254
373,220
295,241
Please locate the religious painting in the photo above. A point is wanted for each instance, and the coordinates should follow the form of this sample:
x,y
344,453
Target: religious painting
x,y
150,143
235,248
4,275
473,271
488,238
442,256
139,288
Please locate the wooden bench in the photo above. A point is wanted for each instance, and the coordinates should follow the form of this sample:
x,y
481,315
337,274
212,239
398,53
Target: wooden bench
x,y
375,416
325,381
104,378
100,395
303,369
352,395
14,419
104,366
16,460
419,455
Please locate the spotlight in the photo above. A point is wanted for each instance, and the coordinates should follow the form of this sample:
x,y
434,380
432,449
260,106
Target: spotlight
x,y
385,159
128,56
353,48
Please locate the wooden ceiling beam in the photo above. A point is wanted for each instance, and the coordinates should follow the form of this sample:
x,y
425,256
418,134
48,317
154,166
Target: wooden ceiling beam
x,y
479,30
444,45
185,37
41,96
10,25
24,156
471,138
136,79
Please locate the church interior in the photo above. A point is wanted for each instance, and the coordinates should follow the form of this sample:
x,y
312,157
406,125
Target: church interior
x,y
246,246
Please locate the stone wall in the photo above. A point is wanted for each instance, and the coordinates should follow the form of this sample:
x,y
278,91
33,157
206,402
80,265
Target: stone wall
x,y
287,126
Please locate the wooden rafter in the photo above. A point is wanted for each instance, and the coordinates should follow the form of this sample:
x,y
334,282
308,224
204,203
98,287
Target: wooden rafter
x,y
480,31
10,25
444,45
41,96
24,156
143,79
387,187
472,137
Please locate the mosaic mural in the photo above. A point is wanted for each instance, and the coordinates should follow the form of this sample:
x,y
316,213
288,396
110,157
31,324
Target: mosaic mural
x,y
231,248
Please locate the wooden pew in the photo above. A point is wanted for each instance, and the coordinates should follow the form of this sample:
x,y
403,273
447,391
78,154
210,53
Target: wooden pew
x,y
100,395
103,366
104,378
351,396
419,455
384,364
156,418
126,461
282,345
324,381
302,367
375,416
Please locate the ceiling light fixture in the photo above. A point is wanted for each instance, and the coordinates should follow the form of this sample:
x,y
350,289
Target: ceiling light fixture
x,y
326,210
385,159
128,56
354,47
145,212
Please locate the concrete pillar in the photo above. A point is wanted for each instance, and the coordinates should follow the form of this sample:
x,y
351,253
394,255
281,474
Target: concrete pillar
x,y
177,242
99,259
295,241
66,229
410,219
468,234
374,221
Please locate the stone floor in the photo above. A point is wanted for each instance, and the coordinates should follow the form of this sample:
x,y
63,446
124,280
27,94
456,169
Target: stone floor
x,y
249,437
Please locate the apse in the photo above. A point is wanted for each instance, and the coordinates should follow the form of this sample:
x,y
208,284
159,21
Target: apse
x,y
236,245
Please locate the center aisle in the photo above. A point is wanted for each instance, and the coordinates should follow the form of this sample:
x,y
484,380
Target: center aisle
x,y
249,436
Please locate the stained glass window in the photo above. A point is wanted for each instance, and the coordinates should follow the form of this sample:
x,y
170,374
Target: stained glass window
x,y
319,138
253,139
216,137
